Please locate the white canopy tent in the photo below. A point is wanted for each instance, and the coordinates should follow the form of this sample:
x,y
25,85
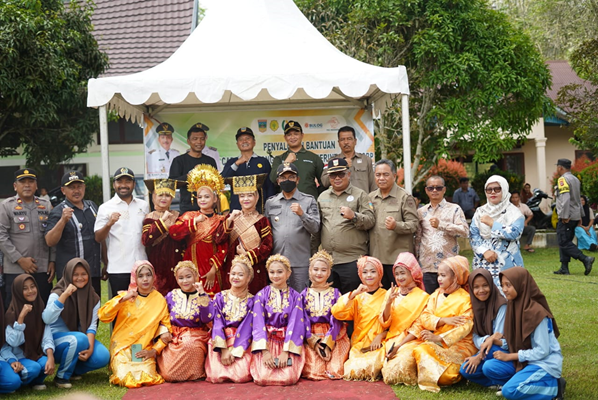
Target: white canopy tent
x,y
251,54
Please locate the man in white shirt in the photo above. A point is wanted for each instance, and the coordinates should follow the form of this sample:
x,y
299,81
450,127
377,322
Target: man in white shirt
x,y
528,230
119,224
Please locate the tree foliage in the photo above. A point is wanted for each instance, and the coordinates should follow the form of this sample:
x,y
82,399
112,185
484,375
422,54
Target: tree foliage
x,y
477,82
581,101
47,55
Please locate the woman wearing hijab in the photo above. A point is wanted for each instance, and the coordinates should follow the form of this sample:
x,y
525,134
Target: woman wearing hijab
x,y
495,230
362,306
142,329
489,308
327,344
532,367
29,338
443,330
584,232
404,303
10,367
72,314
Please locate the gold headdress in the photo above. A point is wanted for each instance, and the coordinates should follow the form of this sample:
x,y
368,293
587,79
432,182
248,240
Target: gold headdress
x,y
241,259
159,186
205,176
278,258
185,264
247,183
324,256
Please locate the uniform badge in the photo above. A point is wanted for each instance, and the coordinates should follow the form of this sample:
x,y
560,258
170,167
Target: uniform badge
x,y
22,226
350,198
41,207
18,208
260,165
21,219
276,219
335,162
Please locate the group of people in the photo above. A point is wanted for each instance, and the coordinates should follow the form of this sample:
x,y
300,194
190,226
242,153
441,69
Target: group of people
x,y
258,290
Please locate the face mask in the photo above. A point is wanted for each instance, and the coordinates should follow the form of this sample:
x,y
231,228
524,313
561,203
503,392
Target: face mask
x,y
288,186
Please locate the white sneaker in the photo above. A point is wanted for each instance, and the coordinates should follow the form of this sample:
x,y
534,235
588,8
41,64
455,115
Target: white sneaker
x,y
39,387
499,393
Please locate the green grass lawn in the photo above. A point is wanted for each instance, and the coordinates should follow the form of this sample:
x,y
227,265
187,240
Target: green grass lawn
x,y
573,299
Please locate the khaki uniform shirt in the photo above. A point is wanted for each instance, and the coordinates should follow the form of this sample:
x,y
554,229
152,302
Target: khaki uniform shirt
x,y
22,227
310,167
345,239
568,197
386,245
362,173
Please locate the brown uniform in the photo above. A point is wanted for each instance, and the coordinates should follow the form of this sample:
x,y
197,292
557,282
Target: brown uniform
x,y
362,173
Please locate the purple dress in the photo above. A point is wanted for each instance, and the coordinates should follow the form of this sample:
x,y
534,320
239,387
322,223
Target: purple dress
x,y
278,325
184,357
320,325
233,319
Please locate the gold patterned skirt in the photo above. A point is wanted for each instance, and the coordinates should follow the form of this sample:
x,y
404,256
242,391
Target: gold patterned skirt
x,y
184,357
315,367
437,366
133,374
285,376
402,368
364,366
237,372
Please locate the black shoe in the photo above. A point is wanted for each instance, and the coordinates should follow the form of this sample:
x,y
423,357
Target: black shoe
x,y
593,247
563,271
562,383
62,383
588,262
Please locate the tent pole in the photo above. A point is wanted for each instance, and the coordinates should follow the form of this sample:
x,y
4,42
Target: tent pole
x,y
105,153
406,142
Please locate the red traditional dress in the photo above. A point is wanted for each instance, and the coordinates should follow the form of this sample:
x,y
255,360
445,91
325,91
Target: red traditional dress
x,y
162,251
206,244
253,231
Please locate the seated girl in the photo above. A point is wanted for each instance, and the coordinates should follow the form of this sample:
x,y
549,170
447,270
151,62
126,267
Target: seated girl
x,y
141,330
72,314
278,328
229,356
10,367
584,231
30,340
190,311
363,306
532,367
442,333
403,305
327,345
489,308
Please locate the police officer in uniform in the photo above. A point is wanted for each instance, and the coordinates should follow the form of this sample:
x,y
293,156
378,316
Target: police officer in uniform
x,y
569,210
158,161
23,220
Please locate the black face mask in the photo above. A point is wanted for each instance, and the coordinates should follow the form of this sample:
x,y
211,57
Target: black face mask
x,y
288,186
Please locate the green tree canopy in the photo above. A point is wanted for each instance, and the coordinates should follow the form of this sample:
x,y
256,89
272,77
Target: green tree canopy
x,y
477,82
47,55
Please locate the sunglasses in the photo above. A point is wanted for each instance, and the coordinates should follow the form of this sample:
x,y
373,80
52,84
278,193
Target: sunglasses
x,y
434,188
493,189
335,175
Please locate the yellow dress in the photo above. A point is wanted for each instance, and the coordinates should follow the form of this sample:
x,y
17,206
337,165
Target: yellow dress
x,y
435,365
364,310
139,322
403,313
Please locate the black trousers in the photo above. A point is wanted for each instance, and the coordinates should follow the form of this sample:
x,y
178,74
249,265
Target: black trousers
x,y
118,282
388,278
565,234
431,282
345,277
43,287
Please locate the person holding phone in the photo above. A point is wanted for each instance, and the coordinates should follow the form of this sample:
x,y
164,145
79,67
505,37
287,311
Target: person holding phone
x,y
327,344
141,332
